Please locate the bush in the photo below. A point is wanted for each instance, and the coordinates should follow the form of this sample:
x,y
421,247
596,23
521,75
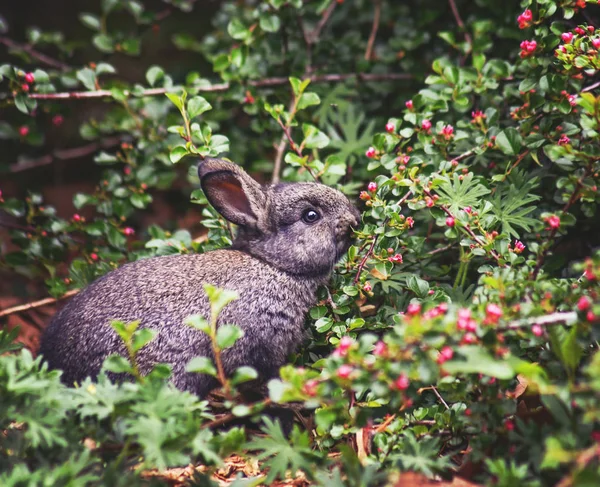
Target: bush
x,y
460,334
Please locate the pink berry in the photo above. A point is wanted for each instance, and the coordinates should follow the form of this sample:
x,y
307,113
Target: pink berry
x,y
367,287
509,425
128,231
344,371
413,309
537,330
469,338
390,128
409,104
450,221
402,382
29,78
57,120
77,217
364,196
448,131
567,37
519,247
579,31
372,187
584,303
94,256
396,258
596,43
410,221
553,221
310,387
493,312
380,348
23,131
370,152
443,307
426,125
590,316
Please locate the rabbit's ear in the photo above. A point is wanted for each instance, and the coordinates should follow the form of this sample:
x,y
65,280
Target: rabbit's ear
x,y
233,193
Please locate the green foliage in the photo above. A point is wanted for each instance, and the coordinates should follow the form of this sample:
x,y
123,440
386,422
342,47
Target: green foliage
x,y
463,319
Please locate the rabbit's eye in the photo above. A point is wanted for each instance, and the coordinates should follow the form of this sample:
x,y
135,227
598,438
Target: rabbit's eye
x,y
310,216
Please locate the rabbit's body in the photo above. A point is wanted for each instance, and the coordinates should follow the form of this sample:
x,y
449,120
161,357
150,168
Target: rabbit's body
x,y
162,292
289,238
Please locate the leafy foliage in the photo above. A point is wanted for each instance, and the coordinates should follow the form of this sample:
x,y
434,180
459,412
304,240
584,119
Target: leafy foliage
x,y
458,336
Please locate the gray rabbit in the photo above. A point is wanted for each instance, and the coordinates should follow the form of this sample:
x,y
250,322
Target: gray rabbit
x,y
289,238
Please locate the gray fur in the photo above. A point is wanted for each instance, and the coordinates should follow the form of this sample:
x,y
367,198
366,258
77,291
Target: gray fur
x,y
276,263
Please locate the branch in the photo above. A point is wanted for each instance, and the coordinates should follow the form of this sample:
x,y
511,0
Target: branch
x,y
34,54
460,22
566,318
314,35
374,29
226,418
66,154
466,227
591,87
37,304
261,83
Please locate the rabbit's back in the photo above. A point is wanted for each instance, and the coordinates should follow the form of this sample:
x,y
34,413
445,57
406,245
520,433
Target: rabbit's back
x,y
162,292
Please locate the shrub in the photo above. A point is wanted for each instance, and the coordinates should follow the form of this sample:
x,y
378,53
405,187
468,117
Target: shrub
x,y
460,334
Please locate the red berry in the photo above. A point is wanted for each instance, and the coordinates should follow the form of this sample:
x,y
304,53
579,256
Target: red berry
x,y
128,231
57,120
450,221
584,303
426,125
344,371
77,217
402,382
367,287
493,312
509,425
370,152
579,31
409,104
380,348
413,309
94,256
310,387
553,221
25,87
596,43
23,131
567,37
537,330
29,78
372,187
390,128
590,316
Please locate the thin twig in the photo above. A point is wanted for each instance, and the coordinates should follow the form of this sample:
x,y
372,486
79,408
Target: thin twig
x,y
559,318
226,418
591,87
440,250
262,83
47,60
460,23
466,227
367,255
36,304
66,154
315,34
281,150
439,396
374,29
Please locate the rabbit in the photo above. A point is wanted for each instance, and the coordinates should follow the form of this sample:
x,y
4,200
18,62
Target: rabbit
x,y
290,236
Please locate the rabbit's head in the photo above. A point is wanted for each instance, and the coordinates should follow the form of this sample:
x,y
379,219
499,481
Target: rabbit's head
x,y
299,228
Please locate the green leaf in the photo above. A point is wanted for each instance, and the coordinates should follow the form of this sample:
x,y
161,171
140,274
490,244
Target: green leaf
x,y
244,374
219,298
89,20
308,99
104,43
197,106
154,74
269,23
117,364
87,78
417,285
142,337
177,153
201,365
227,335
198,322
509,141
175,99
238,30
313,137
458,194
479,361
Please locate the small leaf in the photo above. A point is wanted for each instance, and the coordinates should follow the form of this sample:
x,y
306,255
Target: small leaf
x,y
87,78
201,365
227,335
89,20
244,374
198,322
117,364
177,153
154,74
509,141
269,23
197,106
175,99
142,337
